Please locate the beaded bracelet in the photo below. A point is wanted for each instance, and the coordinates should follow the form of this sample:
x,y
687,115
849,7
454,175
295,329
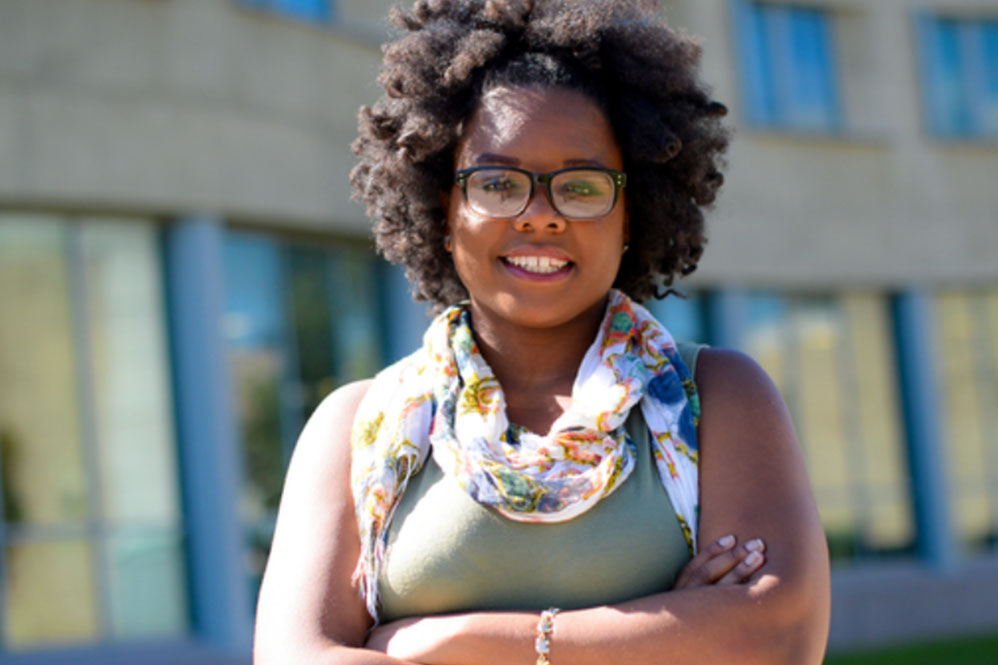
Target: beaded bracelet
x,y
545,627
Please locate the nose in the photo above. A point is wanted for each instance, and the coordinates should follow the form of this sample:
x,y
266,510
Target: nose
x,y
540,214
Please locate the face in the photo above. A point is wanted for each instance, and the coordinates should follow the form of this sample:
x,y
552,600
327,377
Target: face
x,y
539,268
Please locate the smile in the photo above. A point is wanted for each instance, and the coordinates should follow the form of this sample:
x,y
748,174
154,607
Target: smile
x,y
541,265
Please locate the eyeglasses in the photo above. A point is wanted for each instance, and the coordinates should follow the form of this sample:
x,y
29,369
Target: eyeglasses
x,y
505,191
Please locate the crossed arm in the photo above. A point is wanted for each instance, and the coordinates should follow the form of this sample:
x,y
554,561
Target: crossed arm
x,y
723,609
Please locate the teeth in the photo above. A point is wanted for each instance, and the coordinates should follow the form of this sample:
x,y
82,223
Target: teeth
x,y
539,264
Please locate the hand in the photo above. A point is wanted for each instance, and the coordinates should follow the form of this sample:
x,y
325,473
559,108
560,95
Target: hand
x,y
722,564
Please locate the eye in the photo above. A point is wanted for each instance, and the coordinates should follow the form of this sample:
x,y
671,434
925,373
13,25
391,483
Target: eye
x,y
581,188
498,185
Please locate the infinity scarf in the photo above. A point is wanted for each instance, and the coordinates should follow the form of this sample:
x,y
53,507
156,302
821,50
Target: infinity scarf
x,y
444,400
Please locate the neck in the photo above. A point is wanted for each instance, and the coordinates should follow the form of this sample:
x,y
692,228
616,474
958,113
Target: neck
x,y
535,365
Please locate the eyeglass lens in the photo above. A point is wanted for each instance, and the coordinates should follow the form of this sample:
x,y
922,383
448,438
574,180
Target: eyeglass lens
x,y
578,193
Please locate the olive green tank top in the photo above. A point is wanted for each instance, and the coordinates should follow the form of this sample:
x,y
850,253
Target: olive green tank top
x,y
448,553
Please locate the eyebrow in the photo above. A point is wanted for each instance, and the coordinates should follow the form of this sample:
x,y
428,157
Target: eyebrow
x,y
493,158
583,162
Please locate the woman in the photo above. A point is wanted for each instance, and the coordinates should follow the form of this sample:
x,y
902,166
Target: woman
x,y
546,164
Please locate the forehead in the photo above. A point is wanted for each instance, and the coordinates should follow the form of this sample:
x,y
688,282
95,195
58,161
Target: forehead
x,y
539,129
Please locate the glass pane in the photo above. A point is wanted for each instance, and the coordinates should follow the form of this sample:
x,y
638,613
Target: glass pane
x,y
833,360
314,10
811,86
355,317
300,320
256,331
50,596
43,468
949,70
821,421
969,376
761,102
132,392
988,111
681,316
309,293
766,339
888,523
147,583
775,26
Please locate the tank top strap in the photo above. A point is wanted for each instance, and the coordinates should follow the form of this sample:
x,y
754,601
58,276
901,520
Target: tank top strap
x,y
689,352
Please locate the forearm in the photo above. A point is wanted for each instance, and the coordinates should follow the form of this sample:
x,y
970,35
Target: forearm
x,y
747,624
325,654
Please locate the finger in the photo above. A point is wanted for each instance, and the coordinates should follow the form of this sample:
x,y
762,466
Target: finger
x,y
720,565
744,570
717,547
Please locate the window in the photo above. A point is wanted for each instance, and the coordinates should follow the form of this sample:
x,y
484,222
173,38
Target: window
x,y
967,335
91,529
833,359
960,75
682,316
787,66
316,11
300,320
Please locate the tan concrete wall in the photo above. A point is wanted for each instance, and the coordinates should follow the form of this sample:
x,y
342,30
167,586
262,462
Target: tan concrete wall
x,y
168,106
882,205
162,107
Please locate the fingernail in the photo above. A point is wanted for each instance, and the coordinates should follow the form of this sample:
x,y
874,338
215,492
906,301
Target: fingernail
x,y
753,559
727,541
755,545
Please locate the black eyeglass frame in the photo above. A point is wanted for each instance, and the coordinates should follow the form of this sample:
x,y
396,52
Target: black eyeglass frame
x,y
619,179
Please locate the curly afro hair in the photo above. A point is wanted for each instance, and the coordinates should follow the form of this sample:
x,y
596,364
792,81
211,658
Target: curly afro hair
x,y
639,71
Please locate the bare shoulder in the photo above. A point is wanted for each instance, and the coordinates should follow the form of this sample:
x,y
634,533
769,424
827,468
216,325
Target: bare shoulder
x,y
731,382
327,431
744,419
752,475
340,405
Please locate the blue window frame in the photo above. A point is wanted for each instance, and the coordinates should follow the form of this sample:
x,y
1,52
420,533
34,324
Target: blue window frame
x,y
787,64
959,59
316,11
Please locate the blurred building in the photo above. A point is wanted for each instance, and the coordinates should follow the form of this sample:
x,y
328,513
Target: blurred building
x,y
183,277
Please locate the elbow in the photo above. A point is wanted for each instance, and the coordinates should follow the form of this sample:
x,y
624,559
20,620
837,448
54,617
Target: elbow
x,y
793,620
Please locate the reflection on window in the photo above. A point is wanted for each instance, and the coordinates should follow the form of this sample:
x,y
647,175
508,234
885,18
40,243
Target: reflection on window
x,y
86,438
968,367
960,75
833,360
787,66
681,316
300,321
318,11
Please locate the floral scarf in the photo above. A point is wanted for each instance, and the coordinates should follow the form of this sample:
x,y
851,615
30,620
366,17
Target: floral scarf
x,y
444,400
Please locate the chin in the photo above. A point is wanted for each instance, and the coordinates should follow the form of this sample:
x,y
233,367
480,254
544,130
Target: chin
x,y
543,310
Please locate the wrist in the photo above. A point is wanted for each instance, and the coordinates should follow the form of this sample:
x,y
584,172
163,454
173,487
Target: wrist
x,y
545,633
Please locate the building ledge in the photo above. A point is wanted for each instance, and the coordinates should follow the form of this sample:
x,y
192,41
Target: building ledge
x,y
894,602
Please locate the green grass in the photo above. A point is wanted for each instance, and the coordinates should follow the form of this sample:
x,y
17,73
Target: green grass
x,y
973,651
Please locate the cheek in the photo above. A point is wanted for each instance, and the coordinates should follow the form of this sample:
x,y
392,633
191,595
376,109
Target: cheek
x,y
612,244
470,243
